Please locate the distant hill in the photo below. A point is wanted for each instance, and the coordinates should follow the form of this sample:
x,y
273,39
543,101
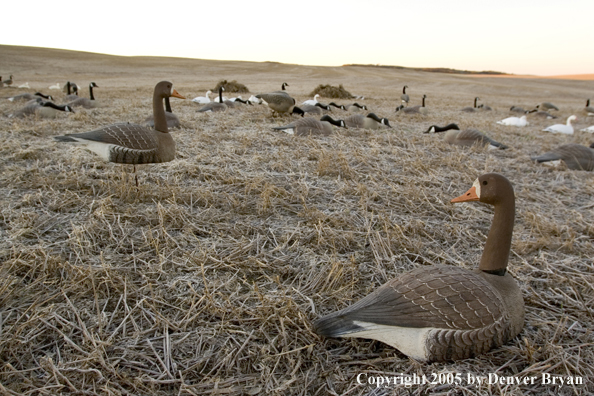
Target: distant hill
x,y
434,69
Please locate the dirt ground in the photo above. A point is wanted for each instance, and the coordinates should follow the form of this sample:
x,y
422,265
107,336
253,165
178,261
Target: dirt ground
x,y
207,278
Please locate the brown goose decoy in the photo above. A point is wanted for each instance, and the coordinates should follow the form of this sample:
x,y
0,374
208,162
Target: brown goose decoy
x,y
86,102
8,82
280,102
126,143
546,106
472,109
441,313
311,127
467,137
370,121
215,106
39,108
575,156
172,119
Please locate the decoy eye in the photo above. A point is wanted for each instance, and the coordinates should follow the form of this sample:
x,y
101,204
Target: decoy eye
x,y
484,182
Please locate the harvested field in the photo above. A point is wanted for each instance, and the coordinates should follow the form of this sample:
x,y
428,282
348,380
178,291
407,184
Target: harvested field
x,y
206,279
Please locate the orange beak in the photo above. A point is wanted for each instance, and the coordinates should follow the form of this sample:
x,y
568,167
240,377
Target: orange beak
x,y
468,196
176,94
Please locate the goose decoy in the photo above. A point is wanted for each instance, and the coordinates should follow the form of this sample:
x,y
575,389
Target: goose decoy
x,y
280,102
541,114
87,103
202,99
566,129
71,92
8,82
514,121
404,98
41,109
589,110
283,89
24,86
546,106
485,107
466,137
310,126
255,100
472,109
575,156
55,86
589,129
172,119
350,108
315,109
126,143
312,102
516,109
29,96
421,109
215,106
442,313
370,121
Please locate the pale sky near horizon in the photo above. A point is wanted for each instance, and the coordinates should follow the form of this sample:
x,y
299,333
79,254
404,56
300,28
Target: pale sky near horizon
x,y
541,38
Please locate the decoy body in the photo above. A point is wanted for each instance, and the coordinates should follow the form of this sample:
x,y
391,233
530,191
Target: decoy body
x,y
202,99
215,106
404,98
370,121
87,103
566,129
541,114
589,129
312,102
280,102
126,143
420,109
41,109
516,109
472,109
172,119
514,121
466,137
546,106
575,156
29,96
310,126
440,313
315,109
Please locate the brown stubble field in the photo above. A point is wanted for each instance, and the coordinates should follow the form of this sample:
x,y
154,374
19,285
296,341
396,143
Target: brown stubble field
x,y
206,279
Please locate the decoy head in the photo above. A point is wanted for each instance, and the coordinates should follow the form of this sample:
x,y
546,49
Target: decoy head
x,y
399,108
490,188
284,85
165,89
297,110
93,85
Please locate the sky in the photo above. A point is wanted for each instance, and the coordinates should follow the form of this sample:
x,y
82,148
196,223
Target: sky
x,y
543,37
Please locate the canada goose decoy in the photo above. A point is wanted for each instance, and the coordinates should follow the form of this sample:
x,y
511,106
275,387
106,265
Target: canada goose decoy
x,y
202,99
172,119
466,137
71,92
540,114
370,121
589,129
485,107
566,129
441,313
215,106
546,106
87,103
514,121
283,89
280,102
472,109
126,143
589,110
41,109
315,109
404,98
575,156
310,126
29,96
351,107
516,109
421,109
312,102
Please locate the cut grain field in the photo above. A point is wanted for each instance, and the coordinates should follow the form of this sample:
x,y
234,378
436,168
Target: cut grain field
x,y
207,277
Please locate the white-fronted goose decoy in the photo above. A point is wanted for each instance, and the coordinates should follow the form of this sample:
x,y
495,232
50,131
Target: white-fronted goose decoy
x,y
311,127
202,99
370,121
575,156
87,103
126,143
566,129
404,98
514,121
589,110
312,102
41,109
441,313
172,119
472,109
215,106
8,82
466,137
420,109
546,106
29,96
280,102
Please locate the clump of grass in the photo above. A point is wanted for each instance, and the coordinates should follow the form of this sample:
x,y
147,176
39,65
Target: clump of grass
x,y
328,91
231,86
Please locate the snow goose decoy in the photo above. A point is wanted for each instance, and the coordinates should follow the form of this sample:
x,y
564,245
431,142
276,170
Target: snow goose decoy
x,y
25,86
575,156
546,106
466,137
126,143
589,129
311,127
202,99
55,86
472,109
514,121
87,103
566,129
370,121
589,110
41,109
253,100
215,106
172,119
441,313
29,96
404,98
420,109
312,102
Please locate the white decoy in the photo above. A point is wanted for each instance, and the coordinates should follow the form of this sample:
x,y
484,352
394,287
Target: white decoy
x,y
313,101
514,121
55,86
589,129
25,86
202,99
253,99
566,129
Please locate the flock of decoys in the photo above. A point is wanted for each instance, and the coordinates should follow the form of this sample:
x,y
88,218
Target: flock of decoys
x,y
433,313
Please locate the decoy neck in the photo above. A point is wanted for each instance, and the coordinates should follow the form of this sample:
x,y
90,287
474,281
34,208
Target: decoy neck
x,y
221,89
496,190
383,121
91,86
323,106
399,108
68,90
163,89
359,106
404,89
335,105
338,123
475,101
49,97
424,97
436,129
297,110
284,85
65,108
588,103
